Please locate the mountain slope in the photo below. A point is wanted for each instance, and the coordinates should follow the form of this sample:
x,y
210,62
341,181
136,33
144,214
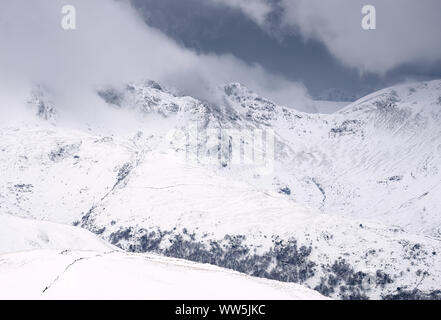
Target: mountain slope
x,y
18,234
50,274
101,271
377,158
345,206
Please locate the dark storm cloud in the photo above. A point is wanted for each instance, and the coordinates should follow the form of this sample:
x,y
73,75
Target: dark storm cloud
x,y
285,36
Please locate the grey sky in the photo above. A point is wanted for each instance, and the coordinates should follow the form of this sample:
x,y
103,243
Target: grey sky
x,y
285,44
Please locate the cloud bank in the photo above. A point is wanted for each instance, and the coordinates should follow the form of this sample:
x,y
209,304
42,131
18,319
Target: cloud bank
x,y
112,45
407,30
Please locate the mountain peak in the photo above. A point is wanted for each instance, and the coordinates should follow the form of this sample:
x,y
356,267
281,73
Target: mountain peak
x,y
412,98
249,104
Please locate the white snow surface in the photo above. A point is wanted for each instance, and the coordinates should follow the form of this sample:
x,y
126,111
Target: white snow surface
x,y
52,274
20,234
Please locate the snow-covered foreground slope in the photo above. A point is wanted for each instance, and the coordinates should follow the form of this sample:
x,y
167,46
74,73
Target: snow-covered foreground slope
x,y
51,274
351,208
45,260
18,234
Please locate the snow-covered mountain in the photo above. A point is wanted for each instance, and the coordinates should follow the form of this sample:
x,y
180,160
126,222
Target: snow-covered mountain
x,y
344,203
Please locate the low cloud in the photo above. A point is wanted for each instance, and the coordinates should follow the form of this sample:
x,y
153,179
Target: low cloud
x,y
112,45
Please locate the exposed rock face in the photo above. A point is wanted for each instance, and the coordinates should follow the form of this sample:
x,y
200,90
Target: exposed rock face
x,y
42,103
